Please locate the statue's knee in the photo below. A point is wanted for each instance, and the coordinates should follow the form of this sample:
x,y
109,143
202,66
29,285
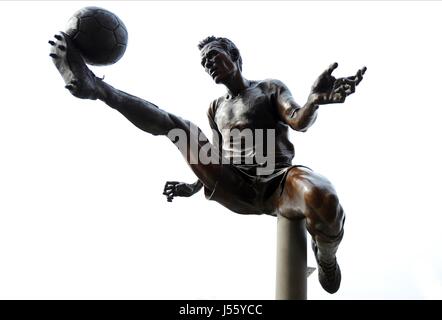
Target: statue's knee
x,y
318,196
324,201
315,196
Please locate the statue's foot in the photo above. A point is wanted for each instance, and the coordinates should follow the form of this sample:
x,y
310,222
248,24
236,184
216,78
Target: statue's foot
x,y
329,272
79,80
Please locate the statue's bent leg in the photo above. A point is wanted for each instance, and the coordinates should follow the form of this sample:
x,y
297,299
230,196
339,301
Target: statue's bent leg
x,y
311,196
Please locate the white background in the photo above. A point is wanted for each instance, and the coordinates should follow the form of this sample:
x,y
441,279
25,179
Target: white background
x,y
82,215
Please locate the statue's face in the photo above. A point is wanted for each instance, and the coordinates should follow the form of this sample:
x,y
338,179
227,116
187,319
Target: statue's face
x,y
217,62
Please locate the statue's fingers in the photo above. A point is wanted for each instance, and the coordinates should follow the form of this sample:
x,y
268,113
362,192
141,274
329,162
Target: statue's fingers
x,y
343,85
327,72
350,89
338,82
337,89
332,67
167,188
346,87
171,183
168,192
341,88
360,74
338,97
346,82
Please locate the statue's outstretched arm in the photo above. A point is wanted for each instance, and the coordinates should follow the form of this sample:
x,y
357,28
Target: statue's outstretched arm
x,y
326,90
297,117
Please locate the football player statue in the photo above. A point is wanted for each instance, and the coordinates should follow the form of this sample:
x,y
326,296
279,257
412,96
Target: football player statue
x,y
236,176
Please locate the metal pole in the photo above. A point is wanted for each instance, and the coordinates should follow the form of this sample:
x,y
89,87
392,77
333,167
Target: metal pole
x,y
291,259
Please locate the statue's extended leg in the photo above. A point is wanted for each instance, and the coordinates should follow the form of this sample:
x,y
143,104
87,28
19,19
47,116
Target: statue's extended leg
x,y
82,83
307,194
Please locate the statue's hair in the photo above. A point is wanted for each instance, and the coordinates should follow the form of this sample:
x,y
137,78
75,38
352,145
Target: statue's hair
x,y
227,44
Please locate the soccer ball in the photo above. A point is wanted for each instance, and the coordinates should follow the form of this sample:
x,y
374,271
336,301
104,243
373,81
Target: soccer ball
x,y
99,35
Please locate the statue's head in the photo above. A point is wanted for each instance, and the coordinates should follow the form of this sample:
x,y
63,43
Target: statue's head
x,y
220,58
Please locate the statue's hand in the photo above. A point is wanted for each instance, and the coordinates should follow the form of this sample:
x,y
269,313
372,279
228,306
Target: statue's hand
x,y
327,89
178,189
79,80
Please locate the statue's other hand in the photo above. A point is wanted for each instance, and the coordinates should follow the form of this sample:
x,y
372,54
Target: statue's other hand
x,y
79,80
327,89
177,189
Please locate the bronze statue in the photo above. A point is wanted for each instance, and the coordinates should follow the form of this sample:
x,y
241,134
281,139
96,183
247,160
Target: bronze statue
x,y
293,191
